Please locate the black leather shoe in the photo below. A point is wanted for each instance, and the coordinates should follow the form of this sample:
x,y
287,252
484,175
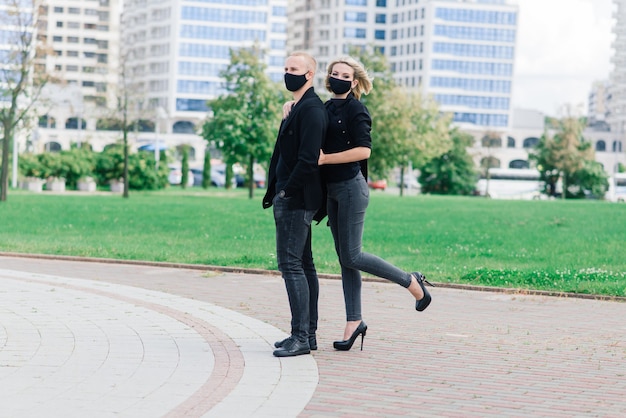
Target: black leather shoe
x,y
293,348
312,342
280,343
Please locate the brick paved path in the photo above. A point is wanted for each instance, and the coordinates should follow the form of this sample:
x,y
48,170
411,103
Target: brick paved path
x,y
471,354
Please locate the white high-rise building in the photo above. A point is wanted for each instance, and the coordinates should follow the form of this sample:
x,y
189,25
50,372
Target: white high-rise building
x,y
598,97
461,52
83,37
617,104
81,43
174,51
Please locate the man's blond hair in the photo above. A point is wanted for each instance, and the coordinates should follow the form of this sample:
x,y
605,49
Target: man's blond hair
x,y
310,61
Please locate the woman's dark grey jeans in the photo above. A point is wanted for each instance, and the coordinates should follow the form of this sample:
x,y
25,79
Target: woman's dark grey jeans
x,y
347,203
295,262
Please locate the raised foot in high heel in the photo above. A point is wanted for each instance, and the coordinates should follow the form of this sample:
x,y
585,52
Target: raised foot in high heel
x,y
346,345
423,303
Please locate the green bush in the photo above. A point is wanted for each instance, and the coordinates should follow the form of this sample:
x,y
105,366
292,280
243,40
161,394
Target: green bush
x,y
109,166
30,166
104,166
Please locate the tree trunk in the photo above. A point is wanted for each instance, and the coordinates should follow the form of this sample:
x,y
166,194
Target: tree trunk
x,y
402,180
4,174
125,175
251,176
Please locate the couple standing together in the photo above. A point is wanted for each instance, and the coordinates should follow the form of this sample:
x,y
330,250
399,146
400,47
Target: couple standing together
x,y
321,153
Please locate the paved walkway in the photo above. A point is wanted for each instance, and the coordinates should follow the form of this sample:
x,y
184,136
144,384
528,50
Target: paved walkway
x,y
102,339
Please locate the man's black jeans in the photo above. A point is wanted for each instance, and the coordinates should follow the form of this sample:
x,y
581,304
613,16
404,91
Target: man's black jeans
x,y
295,262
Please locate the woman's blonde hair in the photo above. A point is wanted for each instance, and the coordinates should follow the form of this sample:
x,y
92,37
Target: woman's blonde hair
x,y
364,84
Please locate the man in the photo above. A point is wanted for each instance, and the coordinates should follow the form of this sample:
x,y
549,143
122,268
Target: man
x,y
295,190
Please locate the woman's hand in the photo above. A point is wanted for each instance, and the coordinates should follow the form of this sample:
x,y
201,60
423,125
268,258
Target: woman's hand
x,y
287,108
322,158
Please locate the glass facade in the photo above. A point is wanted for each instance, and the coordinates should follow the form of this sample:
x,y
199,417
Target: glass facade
x,y
476,16
221,34
209,29
471,70
473,67
223,15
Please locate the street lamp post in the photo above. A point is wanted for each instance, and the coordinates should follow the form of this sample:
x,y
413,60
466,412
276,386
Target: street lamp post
x,y
160,115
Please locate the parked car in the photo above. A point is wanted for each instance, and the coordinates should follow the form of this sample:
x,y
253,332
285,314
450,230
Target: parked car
x,y
218,176
410,182
259,180
377,184
175,176
197,176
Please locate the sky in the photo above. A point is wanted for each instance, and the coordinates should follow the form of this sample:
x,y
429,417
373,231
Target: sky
x,y
563,46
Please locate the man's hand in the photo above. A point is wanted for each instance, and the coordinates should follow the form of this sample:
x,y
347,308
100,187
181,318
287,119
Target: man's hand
x,y
287,108
322,158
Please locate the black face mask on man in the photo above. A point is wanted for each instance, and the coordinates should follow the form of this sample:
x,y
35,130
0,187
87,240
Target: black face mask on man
x,y
295,82
339,86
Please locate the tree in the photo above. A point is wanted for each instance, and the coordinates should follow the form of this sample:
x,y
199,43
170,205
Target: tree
x,y
206,170
406,127
245,120
21,81
184,166
566,156
453,172
490,140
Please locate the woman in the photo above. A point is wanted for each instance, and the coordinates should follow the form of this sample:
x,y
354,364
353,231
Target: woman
x,y
343,162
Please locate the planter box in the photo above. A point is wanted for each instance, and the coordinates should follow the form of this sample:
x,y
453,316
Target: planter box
x,y
55,185
117,186
86,185
34,185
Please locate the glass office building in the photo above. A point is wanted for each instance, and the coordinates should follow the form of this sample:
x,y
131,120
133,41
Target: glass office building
x,y
176,49
460,52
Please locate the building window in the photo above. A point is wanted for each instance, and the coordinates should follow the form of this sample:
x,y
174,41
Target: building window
x,y
381,3
381,18
58,10
183,127
57,39
617,146
511,142
59,24
519,164
72,39
191,105
73,10
358,33
355,17
379,34
530,142
601,145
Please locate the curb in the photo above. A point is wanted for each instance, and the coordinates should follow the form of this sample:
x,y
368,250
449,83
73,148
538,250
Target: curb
x,y
207,267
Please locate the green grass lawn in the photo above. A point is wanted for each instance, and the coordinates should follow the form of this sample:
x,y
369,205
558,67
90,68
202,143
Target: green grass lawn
x,y
570,246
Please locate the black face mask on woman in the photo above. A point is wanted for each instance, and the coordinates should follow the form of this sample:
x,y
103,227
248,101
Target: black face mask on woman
x,y
339,86
294,82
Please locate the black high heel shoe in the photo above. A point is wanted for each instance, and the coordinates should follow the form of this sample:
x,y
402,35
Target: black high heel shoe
x,y
346,345
423,303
